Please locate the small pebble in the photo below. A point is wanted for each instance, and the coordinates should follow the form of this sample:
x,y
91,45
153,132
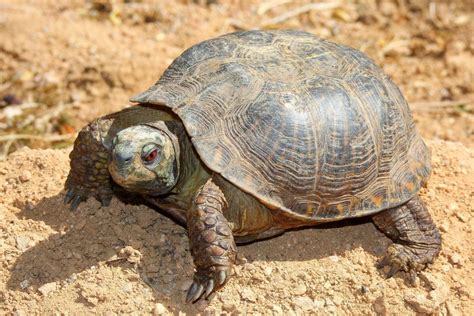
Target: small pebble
x,y
268,271
379,306
456,259
24,284
22,243
229,307
248,294
277,309
48,288
304,302
318,303
25,176
419,303
299,289
444,227
159,309
462,216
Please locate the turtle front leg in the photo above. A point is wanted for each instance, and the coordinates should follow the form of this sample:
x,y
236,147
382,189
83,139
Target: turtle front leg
x,y
416,239
211,242
89,175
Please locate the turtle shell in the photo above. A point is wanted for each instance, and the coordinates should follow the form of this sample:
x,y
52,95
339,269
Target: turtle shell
x,y
305,125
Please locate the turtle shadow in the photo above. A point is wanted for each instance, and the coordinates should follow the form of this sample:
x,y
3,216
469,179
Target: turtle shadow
x,y
135,237
317,242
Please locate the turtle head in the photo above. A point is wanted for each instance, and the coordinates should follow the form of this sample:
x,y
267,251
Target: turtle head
x,y
145,159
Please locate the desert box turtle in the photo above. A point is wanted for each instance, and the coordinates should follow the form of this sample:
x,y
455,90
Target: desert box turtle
x,y
252,133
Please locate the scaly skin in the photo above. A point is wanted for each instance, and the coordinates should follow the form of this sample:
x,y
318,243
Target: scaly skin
x,y
416,239
89,175
212,244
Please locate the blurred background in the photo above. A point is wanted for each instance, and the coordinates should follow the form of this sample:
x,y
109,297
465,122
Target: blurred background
x,y
63,63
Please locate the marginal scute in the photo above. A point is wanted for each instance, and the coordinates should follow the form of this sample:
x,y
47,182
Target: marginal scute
x,y
306,126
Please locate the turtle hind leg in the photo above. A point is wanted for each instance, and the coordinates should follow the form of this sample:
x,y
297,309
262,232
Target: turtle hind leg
x,y
416,239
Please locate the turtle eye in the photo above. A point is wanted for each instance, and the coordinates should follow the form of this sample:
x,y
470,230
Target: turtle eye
x,y
151,156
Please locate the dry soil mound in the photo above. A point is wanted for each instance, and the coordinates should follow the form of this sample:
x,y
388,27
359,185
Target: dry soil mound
x,y
126,258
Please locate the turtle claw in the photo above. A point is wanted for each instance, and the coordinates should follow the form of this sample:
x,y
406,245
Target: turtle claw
x,y
69,196
209,288
75,202
73,198
393,271
75,195
401,258
194,292
382,263
412,277
221,278
205,284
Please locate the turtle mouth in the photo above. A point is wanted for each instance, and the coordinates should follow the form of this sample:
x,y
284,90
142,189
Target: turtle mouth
x,y
130,178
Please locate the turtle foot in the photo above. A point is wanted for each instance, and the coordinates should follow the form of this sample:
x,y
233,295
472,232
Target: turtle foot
x,y
407,259
416,239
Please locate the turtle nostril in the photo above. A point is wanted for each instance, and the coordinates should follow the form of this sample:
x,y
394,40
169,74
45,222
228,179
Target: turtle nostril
x,y
123,156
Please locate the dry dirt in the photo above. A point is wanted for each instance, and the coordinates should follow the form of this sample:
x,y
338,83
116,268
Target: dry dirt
x,y
62,63
125,258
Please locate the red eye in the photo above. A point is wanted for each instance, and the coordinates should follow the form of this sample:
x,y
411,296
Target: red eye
x,y
152,155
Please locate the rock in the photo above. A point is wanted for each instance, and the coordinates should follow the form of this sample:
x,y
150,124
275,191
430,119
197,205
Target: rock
x,y
24,284
22,243
318,303
159,309
334,258
92,300
299,289
132,255
303,302
437,296
25,176
456,259
19,312
451,310
277,309
463,216
72,278
444,227
440,294
248,295
379,306
267,271
229,307
420,303
48,288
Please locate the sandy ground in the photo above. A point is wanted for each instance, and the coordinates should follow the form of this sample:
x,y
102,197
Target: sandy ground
x,y
62,63
125,258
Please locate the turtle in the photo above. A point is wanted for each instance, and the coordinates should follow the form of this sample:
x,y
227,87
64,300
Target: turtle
x,y
252,133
